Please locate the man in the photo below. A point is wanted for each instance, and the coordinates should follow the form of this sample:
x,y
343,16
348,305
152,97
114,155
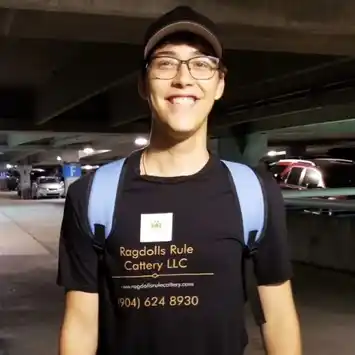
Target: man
x,y
174,254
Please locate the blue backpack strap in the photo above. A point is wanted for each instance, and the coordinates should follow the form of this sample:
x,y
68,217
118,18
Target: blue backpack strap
x,y
102,196
251,200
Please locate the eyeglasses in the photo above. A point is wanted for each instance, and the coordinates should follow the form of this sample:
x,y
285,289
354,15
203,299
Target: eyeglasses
x,y
200,68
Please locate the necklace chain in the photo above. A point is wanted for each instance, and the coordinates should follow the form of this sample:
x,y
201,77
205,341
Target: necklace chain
x,y
143,164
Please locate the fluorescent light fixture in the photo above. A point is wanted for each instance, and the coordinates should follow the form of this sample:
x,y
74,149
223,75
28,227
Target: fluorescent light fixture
x,y
59,158
91,152
89,167
274,153
141,141
88,150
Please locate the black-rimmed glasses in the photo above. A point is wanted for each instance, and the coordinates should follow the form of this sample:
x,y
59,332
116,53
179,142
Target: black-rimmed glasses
x,y
166,67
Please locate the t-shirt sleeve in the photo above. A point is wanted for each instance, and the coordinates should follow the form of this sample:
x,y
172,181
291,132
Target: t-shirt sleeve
x,y
273,263
77,266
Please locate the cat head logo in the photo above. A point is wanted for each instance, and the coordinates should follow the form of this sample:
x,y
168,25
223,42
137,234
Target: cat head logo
x,y
155,225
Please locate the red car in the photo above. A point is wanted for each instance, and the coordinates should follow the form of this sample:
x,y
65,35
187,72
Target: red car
x,y
314,173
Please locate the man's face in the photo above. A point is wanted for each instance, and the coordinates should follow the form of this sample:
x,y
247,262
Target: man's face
x,y
182,103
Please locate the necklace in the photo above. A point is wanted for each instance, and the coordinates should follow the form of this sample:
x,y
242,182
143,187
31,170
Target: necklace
x,y
144,170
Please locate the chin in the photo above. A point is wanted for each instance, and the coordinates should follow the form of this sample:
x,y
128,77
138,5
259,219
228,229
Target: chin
x,y
177,124
182,124
182,133
187,122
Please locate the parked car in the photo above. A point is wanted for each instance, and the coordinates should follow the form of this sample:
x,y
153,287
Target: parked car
x,y
298,174
314,173
12,182
47,186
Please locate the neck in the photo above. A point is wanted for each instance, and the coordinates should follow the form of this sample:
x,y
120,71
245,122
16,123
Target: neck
x,y
168,157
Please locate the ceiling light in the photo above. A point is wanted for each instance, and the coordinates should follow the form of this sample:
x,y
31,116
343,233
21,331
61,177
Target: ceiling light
x,y
141,141
274,153
88,150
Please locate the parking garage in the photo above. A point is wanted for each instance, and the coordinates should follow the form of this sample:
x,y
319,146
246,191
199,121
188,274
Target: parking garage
x,y
68,98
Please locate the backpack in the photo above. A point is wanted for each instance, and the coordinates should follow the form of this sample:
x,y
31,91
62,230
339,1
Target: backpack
x,y
249,195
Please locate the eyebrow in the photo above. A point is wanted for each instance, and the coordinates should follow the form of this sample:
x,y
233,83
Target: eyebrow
x,y
173,53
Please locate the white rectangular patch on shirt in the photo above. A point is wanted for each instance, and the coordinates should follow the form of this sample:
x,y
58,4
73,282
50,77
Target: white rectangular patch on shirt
x,y
156,227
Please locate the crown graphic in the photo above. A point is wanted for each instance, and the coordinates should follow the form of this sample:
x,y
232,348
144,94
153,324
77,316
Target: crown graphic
x,y
155,224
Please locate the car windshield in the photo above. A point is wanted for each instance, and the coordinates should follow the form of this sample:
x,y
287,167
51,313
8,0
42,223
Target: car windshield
x,y
339,175
47,180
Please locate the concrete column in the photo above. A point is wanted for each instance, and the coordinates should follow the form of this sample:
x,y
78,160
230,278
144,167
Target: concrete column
x,y
256,147
25,181
229,149
212,145
71,168
3,171
248,149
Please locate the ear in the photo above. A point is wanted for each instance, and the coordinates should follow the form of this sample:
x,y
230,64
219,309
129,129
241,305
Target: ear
x,y
220,88
142,87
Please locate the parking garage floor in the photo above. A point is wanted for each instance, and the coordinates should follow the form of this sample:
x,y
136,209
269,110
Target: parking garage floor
x,y
31,304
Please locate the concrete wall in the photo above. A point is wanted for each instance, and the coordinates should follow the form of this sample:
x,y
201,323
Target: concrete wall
x,y
323,241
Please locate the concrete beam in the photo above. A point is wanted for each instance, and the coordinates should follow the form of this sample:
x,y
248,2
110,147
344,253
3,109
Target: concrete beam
x,y
71,139
76,125
93,140
89,74
296,75
287,108
272,13
31,148
313,143
27,157
6,148
126,105
334,121
313,116
16,139
346,127
312,27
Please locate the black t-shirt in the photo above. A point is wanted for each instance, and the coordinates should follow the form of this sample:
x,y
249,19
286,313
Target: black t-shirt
x,y
175,258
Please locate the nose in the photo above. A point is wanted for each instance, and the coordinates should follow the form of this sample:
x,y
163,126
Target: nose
x,y
183,76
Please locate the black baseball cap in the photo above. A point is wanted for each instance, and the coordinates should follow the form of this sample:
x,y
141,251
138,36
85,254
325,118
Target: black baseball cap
x,y
182,19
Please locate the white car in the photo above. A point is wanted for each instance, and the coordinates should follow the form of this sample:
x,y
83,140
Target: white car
x,y
45,186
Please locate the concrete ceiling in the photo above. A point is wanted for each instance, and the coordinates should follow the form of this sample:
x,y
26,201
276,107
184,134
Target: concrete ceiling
x,y
43,147
313,27
68,71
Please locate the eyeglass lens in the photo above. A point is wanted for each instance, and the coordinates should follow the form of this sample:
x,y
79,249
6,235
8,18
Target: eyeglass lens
x,y
165,67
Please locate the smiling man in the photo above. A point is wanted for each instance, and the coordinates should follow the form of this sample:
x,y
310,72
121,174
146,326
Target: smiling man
x,y
173,259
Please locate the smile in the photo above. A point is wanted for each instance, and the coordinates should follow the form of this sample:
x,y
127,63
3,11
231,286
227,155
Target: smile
x,y
182,100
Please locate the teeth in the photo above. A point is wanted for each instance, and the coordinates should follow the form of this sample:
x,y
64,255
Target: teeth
x,y
182,100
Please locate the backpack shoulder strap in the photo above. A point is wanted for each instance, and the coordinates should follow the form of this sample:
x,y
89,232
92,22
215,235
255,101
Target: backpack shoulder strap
x,y
251,199
102,196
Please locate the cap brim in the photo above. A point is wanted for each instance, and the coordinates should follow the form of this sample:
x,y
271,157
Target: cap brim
x,y
184,26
